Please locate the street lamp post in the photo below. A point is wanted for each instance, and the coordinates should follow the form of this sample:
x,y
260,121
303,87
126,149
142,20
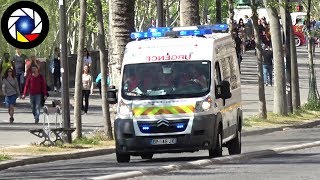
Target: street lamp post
x,y
64,70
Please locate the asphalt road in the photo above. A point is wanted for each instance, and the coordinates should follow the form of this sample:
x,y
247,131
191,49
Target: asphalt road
x,y
294,165
104,165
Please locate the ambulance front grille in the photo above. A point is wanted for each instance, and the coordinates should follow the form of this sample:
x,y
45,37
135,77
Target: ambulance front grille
x,y
163,126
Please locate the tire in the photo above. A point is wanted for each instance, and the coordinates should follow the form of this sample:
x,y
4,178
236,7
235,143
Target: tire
x,y
297,41
147,156
234,145
217,150
123,157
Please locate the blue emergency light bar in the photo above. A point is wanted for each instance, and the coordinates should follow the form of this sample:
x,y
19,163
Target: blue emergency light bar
x,y
187,31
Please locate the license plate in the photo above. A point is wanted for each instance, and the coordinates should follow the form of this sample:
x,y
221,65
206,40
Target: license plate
x,y
164,141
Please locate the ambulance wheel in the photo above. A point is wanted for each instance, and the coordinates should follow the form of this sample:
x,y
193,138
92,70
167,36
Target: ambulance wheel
x,y
123,157
147,156
234,145
217,150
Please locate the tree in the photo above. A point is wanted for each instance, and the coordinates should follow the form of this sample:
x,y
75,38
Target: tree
x,y
262,98
219,9
231,16
313,96
279,103
294,71
103,67
121,24
78,80
285,18
189,13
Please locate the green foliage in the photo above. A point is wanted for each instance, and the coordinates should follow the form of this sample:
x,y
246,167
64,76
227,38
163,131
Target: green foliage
x,y
86,140
299,116
4,157
312,105
96,139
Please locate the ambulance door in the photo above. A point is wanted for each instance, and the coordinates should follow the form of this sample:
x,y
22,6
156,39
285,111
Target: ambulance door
x,y
219,101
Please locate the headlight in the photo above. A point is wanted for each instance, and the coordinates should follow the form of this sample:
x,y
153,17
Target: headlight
x,y
124,109
204,105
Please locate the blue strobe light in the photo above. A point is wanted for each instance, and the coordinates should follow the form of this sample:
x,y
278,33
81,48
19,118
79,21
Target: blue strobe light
x,y
180,126
145,128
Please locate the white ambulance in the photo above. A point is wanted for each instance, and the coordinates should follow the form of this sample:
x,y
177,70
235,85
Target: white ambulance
x,y
180,92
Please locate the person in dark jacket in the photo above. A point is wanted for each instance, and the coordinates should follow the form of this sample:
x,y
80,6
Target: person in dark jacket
x,y
267,66
37,88
19,61
56,69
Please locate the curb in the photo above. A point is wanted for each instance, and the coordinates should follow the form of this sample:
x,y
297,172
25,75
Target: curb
x,y
206,162
270,130
56,157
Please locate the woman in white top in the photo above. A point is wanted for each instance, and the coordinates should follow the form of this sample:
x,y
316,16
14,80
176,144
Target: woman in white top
x,y
87,88
87,61
10,88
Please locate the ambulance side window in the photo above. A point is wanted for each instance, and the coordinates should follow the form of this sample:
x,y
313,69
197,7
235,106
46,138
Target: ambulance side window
x,y
233,74
217,77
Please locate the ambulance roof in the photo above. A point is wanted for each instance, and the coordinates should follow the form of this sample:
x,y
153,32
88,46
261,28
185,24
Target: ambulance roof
x,y
167,41
177,44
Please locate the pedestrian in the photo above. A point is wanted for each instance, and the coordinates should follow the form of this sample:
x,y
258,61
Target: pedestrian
x,y
5,64
37,88
87,61
30,63
87,88
19,62
98,81
267,55
238,43
10,88
56,65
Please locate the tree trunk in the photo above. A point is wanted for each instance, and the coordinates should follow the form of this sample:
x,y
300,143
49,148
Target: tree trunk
x,y
313,96
219,9
279,103
103,66
121,24
285,17
231,16
189,13
262,98
294,71
78,80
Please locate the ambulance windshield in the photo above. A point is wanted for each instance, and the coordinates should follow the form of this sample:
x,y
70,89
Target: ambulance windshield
x,y
166,80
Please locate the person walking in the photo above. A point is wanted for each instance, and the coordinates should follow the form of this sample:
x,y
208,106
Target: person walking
x,y
98,81
5,64
30,63
267,66
56,65
87,88
37,88
10,88
87,61
19,62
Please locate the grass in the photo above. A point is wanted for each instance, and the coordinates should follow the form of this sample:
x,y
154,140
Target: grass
x,y
275,120
4,157
94,141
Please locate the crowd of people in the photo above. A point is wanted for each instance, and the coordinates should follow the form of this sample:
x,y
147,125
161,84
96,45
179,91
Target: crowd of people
x,y
244,40
20,77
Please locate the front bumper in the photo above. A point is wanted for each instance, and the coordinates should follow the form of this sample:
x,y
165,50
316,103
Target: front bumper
x,y
201,137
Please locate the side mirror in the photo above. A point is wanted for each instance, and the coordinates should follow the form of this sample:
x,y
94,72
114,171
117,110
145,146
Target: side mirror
x,y
224,90
112,95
